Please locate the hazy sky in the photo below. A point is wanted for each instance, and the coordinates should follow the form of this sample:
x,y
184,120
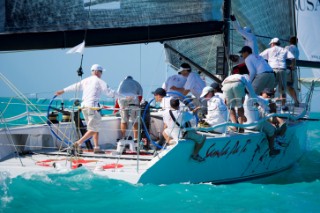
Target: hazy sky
x,y
46,71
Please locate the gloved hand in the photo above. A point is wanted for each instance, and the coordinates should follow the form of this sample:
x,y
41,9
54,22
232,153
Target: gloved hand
x,y
233,18
234,58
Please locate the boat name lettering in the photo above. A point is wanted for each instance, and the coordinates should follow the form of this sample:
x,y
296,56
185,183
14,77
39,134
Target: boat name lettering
x,y
307,5
227,150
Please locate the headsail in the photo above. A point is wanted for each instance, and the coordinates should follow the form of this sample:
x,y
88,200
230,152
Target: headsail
x,y
308,18
46,24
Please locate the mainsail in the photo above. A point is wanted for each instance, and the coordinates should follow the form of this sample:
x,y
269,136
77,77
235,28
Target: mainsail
x,y
45,24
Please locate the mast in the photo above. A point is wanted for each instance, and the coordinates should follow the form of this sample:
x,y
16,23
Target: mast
x,y
226,17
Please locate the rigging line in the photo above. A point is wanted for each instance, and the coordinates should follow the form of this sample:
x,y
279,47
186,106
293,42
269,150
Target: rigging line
x,y
22,97
80,70
6,107
85,38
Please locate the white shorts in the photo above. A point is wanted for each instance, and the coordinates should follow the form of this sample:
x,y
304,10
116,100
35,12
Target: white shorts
x,y
92,118
128,109
234,93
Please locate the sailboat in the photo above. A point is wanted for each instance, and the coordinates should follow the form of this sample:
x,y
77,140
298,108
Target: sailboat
x,y
185,33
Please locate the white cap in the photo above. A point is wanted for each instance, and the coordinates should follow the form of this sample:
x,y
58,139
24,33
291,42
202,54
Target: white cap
x,y
247,29
97,67
274,40
205,91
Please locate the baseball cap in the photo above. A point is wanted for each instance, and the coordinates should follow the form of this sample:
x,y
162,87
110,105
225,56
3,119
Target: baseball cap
x,y
184,66
246,49
214,85
274,40
160,91
205,91
97,67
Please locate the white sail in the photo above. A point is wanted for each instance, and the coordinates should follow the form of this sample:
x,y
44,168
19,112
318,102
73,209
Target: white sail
x,y
308,19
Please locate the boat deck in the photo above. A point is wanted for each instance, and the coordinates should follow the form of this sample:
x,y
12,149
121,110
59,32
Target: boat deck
x,y
128,166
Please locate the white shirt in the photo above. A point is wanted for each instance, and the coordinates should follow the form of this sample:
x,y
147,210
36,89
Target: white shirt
x,y
277,56
217,113
195,84
250,38
92,88
180,116
256,65
174,80
294,50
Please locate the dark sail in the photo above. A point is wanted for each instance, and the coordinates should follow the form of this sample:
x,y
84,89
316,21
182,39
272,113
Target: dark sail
x,y
45,24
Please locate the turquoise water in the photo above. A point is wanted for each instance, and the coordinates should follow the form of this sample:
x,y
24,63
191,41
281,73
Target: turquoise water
x,y
295,190
14,106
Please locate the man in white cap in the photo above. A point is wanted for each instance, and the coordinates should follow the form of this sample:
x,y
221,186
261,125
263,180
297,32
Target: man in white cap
x,y
194,83
276,57
92,88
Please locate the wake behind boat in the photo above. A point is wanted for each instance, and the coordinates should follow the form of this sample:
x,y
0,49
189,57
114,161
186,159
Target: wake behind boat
x,y
229,157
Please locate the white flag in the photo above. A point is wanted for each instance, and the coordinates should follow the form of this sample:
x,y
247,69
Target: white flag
x,y
77,49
